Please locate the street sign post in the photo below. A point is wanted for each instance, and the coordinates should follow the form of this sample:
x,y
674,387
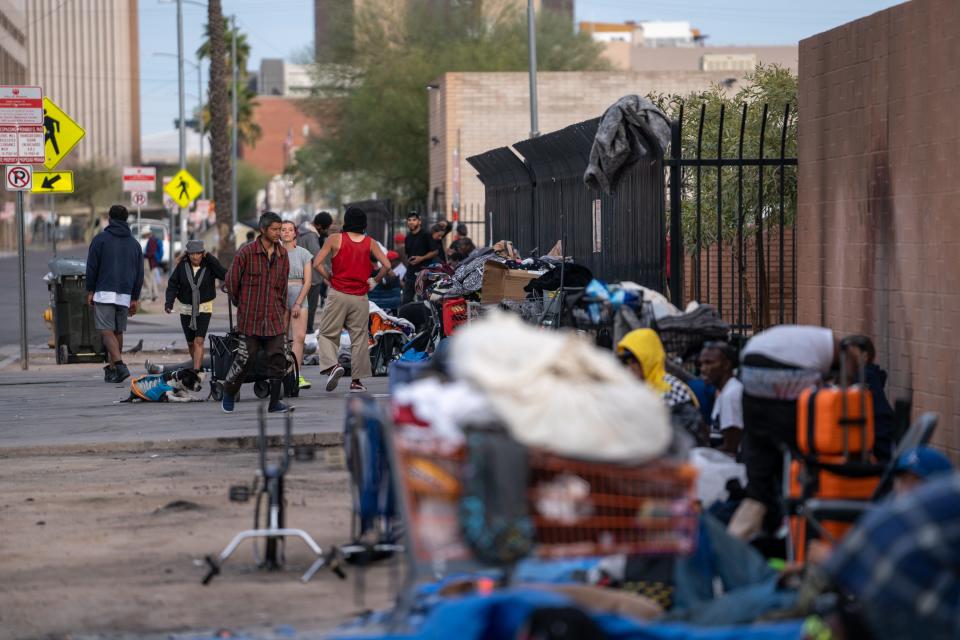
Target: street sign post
x,y
21,114
19,178
138,199
61,133
142,179
52,182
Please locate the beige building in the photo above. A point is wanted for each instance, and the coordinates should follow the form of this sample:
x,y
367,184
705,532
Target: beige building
x,y
85,55
334,19
471,113
13,42
676,46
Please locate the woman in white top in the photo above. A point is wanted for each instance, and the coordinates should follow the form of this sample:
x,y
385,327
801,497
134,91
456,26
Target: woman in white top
x,y
298,287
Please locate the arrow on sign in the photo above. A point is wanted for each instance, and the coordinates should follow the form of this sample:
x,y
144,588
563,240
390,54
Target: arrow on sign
x,y
53,182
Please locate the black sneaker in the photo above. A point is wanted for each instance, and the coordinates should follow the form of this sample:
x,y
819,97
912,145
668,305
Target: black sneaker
x,y
109,374
122,372
280,407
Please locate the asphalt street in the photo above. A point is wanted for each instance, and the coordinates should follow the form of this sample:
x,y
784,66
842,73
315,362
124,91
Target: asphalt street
x,y
38,298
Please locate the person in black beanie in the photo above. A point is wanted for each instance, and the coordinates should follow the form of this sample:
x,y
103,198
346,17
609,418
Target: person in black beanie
x,y
347,305
114,279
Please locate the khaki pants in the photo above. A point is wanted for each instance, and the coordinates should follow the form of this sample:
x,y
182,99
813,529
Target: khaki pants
x,y
340,311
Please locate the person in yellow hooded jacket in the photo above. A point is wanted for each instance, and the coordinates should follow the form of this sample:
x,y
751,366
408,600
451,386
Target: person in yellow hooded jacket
x,y
642,353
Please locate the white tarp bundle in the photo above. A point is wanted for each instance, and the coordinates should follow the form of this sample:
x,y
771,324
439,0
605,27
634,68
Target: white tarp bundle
x,y
557,391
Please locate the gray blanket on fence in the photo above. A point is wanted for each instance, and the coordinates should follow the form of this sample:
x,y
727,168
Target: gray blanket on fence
x,y
626,131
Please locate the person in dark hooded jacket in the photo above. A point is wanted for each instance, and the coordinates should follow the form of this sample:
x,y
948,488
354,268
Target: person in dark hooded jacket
x,y
192,285
114,279
876,379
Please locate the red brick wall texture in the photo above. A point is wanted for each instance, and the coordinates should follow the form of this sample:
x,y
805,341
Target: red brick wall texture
x,y
878,237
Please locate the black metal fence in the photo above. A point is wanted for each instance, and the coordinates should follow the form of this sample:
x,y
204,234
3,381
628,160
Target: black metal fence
x,y
733,213
538,198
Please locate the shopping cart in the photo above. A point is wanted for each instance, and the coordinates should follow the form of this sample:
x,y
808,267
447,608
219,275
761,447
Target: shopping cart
x,y
612,509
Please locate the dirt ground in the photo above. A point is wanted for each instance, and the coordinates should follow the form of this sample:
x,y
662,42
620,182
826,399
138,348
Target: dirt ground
x,y
113,545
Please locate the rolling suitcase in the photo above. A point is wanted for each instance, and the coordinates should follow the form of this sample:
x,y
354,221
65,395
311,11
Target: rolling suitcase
x,y
223,350
835,434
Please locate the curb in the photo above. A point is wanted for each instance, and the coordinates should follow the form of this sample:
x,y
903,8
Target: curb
x,y
233,443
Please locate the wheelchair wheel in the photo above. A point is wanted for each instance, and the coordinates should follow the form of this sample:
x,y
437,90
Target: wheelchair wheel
x,y
261,389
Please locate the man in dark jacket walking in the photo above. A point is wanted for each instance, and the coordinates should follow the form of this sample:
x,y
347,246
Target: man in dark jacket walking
x,y
114,280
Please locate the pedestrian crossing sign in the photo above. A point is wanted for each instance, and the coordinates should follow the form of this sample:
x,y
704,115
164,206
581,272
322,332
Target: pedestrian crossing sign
x,y
60,133
183,188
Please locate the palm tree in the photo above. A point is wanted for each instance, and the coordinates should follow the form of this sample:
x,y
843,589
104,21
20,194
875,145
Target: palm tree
x,y
219,108
249,131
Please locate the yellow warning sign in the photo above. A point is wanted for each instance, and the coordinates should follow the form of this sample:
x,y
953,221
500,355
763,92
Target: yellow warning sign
x,y
183,188
52,182
61,133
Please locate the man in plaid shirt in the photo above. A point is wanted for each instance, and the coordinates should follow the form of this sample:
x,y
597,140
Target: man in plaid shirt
x,y
257,284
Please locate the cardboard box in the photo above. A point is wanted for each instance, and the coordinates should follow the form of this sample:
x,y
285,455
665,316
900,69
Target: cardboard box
x,y
499,282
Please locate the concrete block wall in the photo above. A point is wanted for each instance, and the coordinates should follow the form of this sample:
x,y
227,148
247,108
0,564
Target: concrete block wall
x,y
878,239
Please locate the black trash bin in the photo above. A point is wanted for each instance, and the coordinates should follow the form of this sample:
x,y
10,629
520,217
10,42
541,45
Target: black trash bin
x,y
76,335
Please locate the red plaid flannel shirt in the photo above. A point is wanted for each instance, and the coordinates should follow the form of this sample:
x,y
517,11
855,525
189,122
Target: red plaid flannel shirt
x,y
258,285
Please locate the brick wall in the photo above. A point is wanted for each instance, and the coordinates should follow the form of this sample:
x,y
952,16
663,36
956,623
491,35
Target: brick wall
x,y
279,118
879,186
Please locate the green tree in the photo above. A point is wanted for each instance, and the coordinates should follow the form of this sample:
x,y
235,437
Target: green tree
x,y
219,136
775,88
249,131
96,185
376,134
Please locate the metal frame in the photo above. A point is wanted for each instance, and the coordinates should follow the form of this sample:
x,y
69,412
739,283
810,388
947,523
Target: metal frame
x,y
679,162
276,531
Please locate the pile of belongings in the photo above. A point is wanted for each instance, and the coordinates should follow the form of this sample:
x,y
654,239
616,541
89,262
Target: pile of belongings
x,y
684,334
551,390
554,392
382,324
443,281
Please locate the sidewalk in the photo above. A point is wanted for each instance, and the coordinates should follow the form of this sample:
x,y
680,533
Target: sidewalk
x,y
69,409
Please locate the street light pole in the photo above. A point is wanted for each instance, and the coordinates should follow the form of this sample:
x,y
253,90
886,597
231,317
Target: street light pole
x,y
203,173
532,44
234,132
183,131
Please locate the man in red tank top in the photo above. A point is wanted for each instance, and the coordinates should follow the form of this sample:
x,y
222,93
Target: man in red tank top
x,y
352,256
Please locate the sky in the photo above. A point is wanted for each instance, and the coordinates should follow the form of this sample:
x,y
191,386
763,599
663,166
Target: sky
x,y
284,29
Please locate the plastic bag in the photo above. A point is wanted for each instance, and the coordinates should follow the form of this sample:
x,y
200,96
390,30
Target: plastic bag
x,y
714,469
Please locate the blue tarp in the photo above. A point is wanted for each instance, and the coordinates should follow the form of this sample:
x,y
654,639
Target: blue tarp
x,y
500,615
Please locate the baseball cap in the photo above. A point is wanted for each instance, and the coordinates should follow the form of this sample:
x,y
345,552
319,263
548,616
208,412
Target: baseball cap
x,y
393,255
923,462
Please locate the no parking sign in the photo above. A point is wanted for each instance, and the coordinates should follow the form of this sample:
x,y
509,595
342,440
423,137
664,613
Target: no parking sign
x,y
18,177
